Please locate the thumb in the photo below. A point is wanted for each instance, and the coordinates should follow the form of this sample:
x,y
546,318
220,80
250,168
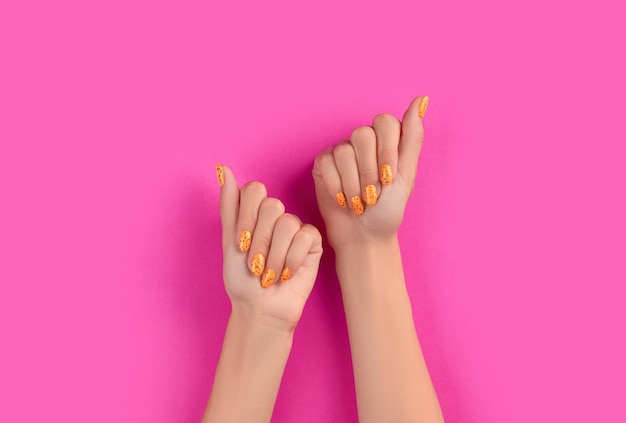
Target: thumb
x,y
411,139
229,204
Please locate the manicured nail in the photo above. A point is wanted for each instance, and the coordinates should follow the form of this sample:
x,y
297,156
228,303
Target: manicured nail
x,y
268,278
385,174
219,171
341,199
258,264
357,205
244,240
285,274
421,109
370,195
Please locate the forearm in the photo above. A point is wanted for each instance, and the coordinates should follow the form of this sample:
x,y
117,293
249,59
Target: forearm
x,y
249,371
391,377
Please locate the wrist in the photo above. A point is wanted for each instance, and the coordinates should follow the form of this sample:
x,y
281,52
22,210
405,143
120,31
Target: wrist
x,y
248,375
380,247
254,322
371,268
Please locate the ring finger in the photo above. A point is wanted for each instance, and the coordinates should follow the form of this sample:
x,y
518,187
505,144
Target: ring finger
x,y
269,212
345,159
363,140
286,227
252,194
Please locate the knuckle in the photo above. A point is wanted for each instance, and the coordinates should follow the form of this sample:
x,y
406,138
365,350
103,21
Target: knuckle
x,y
254,188
369,174
388,152
362,133
273,205
301,236
323,160
343,150
289,222
385,120
315,233
306,233
262,240
317,163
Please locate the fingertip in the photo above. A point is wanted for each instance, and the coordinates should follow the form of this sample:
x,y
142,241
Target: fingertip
x,y
268,278
229,198
285,274
412,138
229,190
219,173
418,108
229,177
422,106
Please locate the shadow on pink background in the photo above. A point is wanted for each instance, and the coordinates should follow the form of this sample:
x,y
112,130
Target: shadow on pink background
x,y
113,115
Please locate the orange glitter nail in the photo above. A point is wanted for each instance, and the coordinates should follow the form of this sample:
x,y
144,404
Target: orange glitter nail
x,y
219,171
357,205
370,195
268,278
285,274
244,240
258,264
421,109
341,199
386,175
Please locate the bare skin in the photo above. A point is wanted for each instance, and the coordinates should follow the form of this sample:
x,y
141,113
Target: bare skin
x,y
391,377
362,188
260,329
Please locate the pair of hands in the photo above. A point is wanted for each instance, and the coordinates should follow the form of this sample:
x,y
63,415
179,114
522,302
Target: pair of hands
x,y
362,186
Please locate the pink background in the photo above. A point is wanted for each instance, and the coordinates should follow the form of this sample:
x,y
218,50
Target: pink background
x,y
113,114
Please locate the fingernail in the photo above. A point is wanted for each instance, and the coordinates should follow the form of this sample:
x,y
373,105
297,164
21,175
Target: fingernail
x,y
370,195
268,278
385,174
244,240
285,274
258,264
357,205
219,171
341,199
421,109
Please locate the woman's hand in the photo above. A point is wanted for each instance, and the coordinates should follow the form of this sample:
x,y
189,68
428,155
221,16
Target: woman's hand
x,y
375,171
270,266
270,258
363,184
